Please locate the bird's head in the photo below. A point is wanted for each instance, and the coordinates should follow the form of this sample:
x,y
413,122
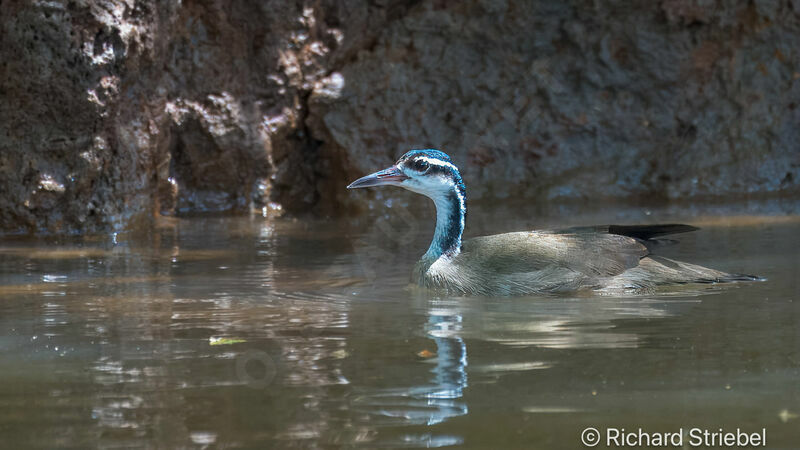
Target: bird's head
x,y
426,172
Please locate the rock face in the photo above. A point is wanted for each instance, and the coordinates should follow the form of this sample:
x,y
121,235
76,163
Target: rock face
x,y
113,110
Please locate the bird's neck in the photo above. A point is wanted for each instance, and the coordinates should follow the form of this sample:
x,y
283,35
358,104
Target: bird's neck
x,y
451,211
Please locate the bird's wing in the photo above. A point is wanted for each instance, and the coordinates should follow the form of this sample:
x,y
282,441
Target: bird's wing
x,y
592,254
643,232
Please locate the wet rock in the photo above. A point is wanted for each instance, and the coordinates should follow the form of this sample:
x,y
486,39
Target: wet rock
x,y
134,108
115,110
576,100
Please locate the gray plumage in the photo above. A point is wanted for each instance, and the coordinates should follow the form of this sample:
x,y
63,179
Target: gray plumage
x,y
559,261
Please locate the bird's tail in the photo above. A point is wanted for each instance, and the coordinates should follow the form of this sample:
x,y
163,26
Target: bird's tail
x,y
646,232
656,270
731,278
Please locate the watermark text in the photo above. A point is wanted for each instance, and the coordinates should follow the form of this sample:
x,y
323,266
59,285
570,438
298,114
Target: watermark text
x,y
682,437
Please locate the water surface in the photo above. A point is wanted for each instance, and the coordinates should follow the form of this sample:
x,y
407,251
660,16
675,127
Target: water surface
x,y
245,332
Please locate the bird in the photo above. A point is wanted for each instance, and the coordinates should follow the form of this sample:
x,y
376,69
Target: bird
x,y
599,259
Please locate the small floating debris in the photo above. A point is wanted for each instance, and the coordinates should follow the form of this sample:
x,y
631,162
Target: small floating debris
x,y
549,410
54,278
426,354
340,354
785,415
514,367
203,437
224,341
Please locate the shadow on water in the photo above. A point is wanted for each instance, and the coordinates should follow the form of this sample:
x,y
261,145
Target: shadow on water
x,y
239,332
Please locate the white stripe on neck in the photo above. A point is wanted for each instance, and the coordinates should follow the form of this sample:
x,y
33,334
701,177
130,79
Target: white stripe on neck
x,y
444,215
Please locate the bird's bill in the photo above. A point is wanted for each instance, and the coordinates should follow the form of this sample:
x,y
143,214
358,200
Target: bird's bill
x,y
389,176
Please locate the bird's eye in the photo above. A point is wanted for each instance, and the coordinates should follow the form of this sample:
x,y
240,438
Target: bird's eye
x,y
420,165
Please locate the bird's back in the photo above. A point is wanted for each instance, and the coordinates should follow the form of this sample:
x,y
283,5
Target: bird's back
x,y
588,258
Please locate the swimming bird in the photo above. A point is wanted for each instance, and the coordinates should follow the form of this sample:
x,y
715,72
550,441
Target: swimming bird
x,y
606,258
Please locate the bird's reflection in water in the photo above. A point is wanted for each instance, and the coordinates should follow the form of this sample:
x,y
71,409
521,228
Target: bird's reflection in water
x,y
435,402
450,371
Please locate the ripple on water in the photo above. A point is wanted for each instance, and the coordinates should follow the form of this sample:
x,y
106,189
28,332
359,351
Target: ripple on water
x,y
237,333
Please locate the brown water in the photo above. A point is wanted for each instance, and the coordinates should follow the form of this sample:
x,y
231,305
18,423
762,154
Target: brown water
x,y
241,332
